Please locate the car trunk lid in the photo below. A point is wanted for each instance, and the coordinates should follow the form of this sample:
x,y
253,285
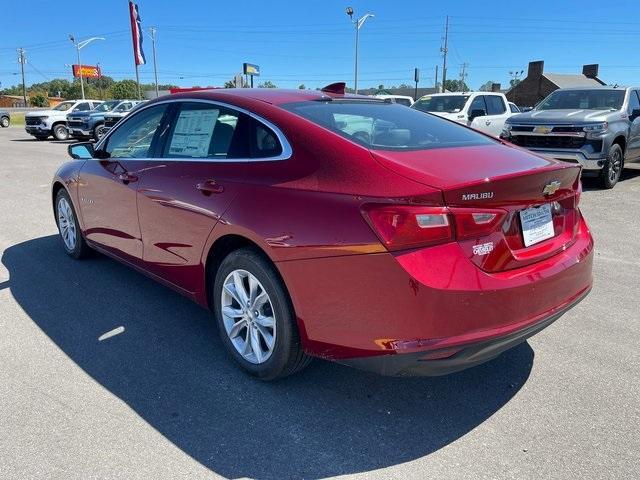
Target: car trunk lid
x,y
531,197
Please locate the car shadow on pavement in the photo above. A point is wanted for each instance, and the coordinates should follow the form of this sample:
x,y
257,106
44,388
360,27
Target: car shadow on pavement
x,y
169,366
593,183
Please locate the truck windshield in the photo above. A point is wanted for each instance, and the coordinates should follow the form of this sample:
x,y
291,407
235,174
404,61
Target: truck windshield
x,y
441,103
583,100
386,126
106,106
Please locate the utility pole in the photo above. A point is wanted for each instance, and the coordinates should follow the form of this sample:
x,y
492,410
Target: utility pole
x,y
22,59
79,46
100,80
463,75
153,31
444,51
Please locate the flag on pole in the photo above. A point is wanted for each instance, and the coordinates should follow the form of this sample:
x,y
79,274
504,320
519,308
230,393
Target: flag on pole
x,y
136,34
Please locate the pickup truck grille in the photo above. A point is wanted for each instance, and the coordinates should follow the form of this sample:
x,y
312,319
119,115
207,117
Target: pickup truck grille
x,y
550,141
32,120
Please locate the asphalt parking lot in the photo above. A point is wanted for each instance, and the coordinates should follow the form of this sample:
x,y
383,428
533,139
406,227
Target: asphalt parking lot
x,y
162,400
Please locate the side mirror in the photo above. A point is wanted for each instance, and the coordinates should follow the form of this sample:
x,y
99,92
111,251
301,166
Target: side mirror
x,y
477,113
635,114
81,151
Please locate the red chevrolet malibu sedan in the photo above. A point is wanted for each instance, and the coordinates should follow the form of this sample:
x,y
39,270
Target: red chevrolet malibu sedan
x,y
320,224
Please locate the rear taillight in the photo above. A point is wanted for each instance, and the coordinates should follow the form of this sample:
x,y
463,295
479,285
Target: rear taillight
x,y
408,226
403,226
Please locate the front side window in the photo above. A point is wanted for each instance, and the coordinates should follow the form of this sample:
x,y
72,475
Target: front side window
x,y
202,130
83,107
123,107
600,99
495,105
441,103
134,137
634,103
386,126
514,108
478,104
404,101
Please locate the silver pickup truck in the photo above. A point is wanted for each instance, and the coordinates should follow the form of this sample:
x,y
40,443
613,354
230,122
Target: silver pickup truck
x,y
598,128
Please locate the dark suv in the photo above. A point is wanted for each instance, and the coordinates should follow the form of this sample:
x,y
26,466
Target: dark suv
x,y
599,128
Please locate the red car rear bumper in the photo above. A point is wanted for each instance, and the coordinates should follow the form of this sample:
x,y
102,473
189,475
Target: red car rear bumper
x,y
430,302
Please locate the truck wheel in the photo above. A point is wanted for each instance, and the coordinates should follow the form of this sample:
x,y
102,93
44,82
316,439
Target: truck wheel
x,y
612,169
60,132
5,122
98,132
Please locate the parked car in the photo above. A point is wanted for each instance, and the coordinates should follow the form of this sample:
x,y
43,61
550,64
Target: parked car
x,y
406,245
401,99
121,111
5,119
90,124
484,111
599,128
44,123
514,108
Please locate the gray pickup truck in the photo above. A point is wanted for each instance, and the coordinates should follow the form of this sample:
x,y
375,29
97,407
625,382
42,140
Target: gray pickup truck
x,y
598,128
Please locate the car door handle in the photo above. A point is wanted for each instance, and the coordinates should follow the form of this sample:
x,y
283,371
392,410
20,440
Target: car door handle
x,y
209,186
127,178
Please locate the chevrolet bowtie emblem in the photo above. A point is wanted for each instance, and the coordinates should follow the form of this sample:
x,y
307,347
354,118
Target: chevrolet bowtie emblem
x,y
551,188
542,129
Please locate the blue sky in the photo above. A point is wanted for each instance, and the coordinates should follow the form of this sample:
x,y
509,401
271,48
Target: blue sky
x,y
312,42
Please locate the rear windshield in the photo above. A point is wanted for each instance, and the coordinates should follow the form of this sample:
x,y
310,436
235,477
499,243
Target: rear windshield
x,y
583,100
441,103
387,126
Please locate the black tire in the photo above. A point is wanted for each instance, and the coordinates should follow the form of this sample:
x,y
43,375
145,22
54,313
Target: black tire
x,y
60,132
80,248
612,169
287,356
5,122
97,132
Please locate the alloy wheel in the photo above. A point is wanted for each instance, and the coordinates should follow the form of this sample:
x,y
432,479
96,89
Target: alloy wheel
x,y
615,166
67,224
248,316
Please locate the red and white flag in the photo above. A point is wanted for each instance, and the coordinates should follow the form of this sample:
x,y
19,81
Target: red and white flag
x,y
136,34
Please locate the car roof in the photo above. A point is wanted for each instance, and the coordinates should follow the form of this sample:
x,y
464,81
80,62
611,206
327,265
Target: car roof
x,y
600,87
274,96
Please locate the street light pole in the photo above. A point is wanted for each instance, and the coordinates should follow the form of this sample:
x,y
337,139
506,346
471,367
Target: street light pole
x,y
79,46
358,24
155,68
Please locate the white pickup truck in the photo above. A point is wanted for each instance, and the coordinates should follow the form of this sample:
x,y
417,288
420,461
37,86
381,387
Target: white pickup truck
x,y
43,123
484,111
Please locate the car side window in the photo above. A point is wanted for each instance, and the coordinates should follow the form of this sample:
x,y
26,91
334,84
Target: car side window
x,y
514,108
478,104
495,105
203,130
82,107
264,142
134,137
634,103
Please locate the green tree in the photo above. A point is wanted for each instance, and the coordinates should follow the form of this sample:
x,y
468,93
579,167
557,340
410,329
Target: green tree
x,y
38,99
514,81
301,87
124,89
267,84
456,86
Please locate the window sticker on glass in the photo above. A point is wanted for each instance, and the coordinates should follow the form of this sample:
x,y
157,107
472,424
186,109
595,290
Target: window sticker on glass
x,y
192,135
